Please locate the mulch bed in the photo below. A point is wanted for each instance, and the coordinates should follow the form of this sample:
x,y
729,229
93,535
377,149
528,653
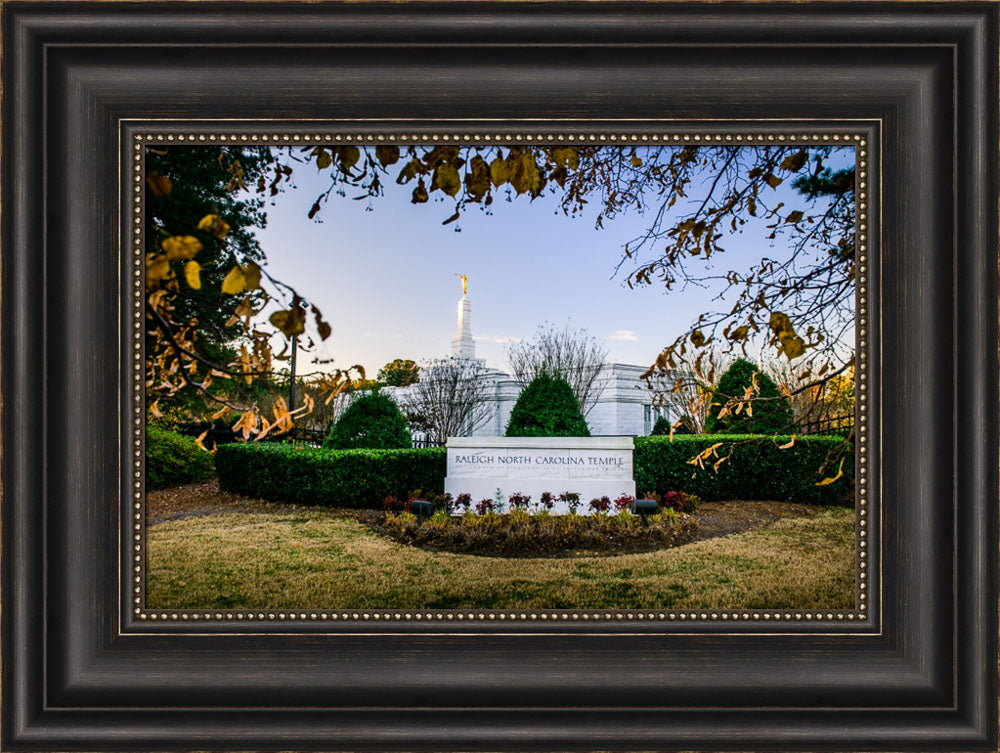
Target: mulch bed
x,y
714,518
717,519
205,498
540,536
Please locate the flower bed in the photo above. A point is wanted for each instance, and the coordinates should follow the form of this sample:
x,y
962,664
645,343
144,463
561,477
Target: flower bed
x,y
522,534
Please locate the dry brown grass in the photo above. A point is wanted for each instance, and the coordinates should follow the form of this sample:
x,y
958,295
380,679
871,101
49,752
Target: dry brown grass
x,y
314,559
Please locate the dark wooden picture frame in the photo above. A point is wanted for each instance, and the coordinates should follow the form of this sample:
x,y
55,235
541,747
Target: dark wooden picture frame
x,y
916,671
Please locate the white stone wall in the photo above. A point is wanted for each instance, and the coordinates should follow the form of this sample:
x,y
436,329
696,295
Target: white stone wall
x,y
621,410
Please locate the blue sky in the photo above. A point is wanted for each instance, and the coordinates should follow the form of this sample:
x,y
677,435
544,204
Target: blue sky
x,y
382,272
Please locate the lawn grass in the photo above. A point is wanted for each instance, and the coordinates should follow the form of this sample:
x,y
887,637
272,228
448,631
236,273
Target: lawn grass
x,y
317,559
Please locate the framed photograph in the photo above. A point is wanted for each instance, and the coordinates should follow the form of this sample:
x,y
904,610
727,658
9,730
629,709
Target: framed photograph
x,y
500,376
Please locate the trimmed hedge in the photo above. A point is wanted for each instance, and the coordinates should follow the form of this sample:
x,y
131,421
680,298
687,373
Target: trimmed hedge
x,y
173,459
756,469
341,478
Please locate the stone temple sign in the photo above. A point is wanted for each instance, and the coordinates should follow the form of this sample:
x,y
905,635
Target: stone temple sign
x,y
589,466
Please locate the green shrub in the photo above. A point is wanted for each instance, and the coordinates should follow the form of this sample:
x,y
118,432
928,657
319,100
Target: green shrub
x,y
547,408
772,411
661,426
341,478
372,422
173,459
756,467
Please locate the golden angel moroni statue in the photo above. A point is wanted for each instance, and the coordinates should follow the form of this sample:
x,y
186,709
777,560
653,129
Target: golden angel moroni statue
x,y
465,282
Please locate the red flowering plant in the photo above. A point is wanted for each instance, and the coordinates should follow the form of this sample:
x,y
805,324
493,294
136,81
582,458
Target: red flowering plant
x,y
679,501
392,503
484,506
519,501
624,503
546,501
463,501
444,502
572,499
600,505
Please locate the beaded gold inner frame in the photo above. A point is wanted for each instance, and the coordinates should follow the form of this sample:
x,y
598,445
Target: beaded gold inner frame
x,y
135,137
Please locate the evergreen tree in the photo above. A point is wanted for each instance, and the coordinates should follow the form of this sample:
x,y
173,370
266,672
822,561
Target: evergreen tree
x,y
373,421
661,426
547,408
771,410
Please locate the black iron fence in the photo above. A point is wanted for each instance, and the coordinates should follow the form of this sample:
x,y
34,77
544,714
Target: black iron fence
x,y
840,425
420,443
313,437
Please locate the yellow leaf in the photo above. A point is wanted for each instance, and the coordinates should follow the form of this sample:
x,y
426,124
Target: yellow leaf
x,y
160,185
157,267
446,178
214,226
524,174
349,155
697,338
324,159
244,310
565,156
235,281
794,162
419,193
779,323
636,162
181,247
247,423
290,322
793,346
200,438
387,155
251,276
828,481
498,171
787,446
192,273
477,180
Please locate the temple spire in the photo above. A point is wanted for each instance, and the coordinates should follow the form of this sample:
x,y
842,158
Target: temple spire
x,y
463,346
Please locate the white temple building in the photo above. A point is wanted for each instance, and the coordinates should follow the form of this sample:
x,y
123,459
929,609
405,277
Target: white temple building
x,y
624,406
